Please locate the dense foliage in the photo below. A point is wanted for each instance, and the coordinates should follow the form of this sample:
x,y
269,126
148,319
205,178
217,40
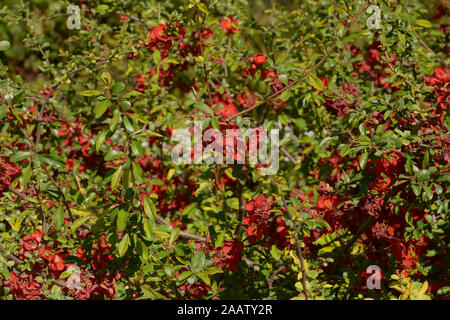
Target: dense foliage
x,y
93,207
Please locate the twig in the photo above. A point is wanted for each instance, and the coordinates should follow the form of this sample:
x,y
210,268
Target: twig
x,y
297,242
355,237
237,233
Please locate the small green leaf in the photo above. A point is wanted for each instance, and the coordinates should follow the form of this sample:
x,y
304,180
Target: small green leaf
x,y
122,219
424,23
137,172
100,139
363,160
26,174
149,208
285,95
90,93
114,120
114,154
156,57
203,107
128,123
275,252
19,156
136,148
77,223
148,228
416,189
116,178
198,261
315,82
101,107
123,245
58,217
118,88
4,45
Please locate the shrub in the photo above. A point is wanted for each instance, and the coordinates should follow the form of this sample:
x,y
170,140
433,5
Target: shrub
x,y
92,206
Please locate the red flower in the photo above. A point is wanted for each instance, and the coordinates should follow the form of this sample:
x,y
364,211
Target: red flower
x,y
227,110
57,262
325,82
30,243
227,25
229,255
24,287
327,203
259,59
8,172
196,290
260,222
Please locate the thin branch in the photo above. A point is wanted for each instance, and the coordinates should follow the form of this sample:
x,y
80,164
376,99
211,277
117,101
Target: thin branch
x,y
297,241
237,233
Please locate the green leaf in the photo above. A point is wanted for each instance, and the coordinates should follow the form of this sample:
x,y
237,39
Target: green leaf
x,y
90,93
285,95
58,217
184,275
52,160
149,134
128,123
363,160
26,174
202,7
122,219
149,208
133,93
283,79
424,23
275,252
198,261
106,77
215,123
114,120
315,82
438,189
123,245
156,57
4,45
77,223
116,177
137,172
174,236
101,107
114,154
142,250
416,189
100,139
428,192
148,228
203,107
152,294
136,148
19,156
426,160
118,88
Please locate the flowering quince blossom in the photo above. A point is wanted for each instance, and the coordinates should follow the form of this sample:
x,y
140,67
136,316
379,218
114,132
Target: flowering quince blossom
x,y
229,255
227,25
